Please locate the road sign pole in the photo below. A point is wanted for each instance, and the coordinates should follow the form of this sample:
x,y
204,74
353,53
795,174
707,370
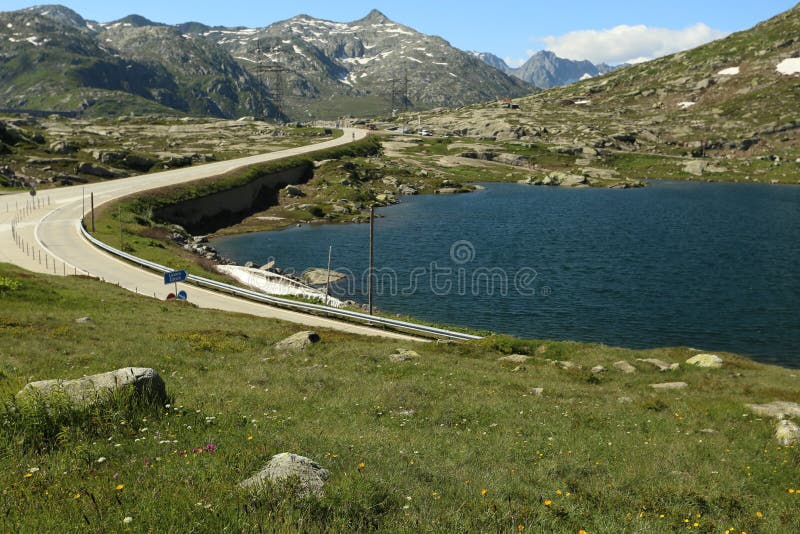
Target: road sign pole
x,y
92,202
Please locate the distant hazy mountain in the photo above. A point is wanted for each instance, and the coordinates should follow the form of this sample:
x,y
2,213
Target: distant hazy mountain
x,y
544,69
53,59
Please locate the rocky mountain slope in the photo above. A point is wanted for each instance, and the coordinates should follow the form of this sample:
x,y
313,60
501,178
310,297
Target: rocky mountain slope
x,y
371,57
53,59
544,69
730,104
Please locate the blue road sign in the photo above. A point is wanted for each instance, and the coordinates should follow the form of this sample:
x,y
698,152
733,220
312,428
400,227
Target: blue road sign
x,y
174,277
182,295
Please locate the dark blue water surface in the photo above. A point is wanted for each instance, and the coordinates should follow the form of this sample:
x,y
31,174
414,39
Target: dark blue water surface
x,y
706,265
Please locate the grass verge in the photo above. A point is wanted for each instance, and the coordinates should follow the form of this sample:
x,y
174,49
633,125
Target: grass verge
x,y
451,441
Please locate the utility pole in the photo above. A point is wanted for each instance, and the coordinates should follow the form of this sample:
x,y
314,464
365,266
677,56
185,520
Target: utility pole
x,y
328,283
371,249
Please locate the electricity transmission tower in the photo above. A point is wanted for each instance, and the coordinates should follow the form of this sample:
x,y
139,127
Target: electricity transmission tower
x,y
270,76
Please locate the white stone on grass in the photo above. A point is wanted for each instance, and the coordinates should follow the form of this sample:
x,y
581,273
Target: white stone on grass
x,y
285,468
710,361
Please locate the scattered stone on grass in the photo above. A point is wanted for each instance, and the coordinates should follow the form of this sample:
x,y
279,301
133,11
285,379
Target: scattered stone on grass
x,y
711,361
787,432
95,389
298,341
514,358
599,369
287,467
83,320
537,392
624,400
659,364
403,355
670,385
567,365
777,409
625,367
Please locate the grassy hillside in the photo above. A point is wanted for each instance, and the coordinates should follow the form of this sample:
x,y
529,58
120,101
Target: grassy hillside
x,y
451,441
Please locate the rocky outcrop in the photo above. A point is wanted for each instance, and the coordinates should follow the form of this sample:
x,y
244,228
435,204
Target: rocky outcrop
x,y
777,409
303,474
95,389
95,170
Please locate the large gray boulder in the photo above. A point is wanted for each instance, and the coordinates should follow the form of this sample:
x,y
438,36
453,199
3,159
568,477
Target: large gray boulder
x,y
298,341
287,467
514,358
625,367
670,385
143,382
95,170
777,409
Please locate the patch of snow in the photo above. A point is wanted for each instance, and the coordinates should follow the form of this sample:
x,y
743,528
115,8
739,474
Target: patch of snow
x,y
245,59
730,71
586,76
298,50
789,66
274,284
582,102
363,75
370,47
359,60
453,75
686,105
412,59
443,64
397,30
9,25
287,41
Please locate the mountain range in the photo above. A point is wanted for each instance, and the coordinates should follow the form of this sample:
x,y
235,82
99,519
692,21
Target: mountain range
x,y
545,69
52,59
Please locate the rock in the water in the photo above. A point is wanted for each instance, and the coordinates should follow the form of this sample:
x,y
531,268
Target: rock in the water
x,y
95,389
403,355
599,369
514,358
319,276
625,367
711,361
660,364
777,409
287,467
787,432
298,341
670,385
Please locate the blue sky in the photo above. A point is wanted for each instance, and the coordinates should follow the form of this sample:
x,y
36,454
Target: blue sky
x,y
611,30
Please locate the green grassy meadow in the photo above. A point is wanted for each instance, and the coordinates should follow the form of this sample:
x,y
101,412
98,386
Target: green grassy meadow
x,y
453,441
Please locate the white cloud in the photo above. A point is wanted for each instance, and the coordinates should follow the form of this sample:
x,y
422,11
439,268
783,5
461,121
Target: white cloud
x,y
628,44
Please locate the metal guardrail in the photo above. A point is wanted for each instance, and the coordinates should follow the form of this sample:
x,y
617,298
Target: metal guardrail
x,y
370,320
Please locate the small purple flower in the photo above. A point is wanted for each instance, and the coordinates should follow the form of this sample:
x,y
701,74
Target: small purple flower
x,y
211,447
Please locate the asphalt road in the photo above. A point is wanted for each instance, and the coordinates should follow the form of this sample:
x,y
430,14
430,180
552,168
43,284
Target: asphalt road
x,y
48,239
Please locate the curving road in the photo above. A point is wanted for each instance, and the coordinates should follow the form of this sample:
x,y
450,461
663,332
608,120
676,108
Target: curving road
x,y
46,237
